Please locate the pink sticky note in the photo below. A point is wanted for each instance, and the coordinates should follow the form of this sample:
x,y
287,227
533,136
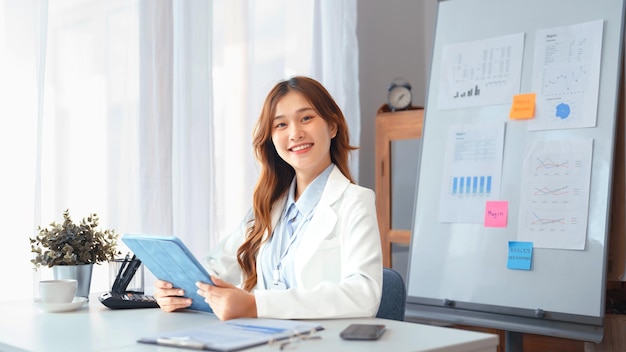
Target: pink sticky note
x,y
496,213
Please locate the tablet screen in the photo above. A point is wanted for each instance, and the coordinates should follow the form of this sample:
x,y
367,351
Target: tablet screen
x,y
170,260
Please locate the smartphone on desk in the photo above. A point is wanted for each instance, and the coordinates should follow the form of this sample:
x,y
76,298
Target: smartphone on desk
x,y
363,332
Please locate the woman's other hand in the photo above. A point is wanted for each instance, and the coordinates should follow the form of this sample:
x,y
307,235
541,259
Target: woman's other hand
x,y
170,298
226,300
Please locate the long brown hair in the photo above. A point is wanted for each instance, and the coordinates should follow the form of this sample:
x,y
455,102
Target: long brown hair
x,y
276,175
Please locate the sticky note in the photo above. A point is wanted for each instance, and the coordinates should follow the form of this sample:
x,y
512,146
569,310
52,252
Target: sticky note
x,y
523,106
520,255
496,213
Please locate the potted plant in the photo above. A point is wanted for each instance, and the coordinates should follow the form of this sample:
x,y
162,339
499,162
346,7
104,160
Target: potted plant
x,y
71,249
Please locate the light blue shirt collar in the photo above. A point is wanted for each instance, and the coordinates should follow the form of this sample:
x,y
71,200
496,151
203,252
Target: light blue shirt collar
x,y
309,198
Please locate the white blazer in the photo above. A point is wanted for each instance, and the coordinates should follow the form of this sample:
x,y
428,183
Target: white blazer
x,y
338,261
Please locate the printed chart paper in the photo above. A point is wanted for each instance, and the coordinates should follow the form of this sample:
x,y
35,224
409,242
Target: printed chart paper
x,y
482,72
554,200
566,76
472,171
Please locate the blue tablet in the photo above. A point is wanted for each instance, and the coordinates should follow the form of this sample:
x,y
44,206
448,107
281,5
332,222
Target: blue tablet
x,y
170,260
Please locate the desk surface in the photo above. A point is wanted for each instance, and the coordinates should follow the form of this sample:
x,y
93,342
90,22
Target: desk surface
x,y
24,327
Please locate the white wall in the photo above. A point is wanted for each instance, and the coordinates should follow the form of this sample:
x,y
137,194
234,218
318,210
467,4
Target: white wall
x,y
395,40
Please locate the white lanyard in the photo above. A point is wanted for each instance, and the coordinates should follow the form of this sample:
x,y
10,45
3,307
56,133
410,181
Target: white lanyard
x,y
278,284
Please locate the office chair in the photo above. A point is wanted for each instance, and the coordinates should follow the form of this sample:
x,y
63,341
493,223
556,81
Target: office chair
x,y
393,300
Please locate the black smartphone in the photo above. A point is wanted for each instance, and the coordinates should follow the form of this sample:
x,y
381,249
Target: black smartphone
x,y
363,332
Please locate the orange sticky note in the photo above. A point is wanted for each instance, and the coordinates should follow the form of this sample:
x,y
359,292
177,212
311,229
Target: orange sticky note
x,y
523,106
496,213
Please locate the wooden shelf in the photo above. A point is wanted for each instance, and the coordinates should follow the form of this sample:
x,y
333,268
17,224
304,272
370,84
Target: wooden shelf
x,y
392,126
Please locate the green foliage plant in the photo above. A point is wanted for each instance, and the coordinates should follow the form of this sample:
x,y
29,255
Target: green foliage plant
x,y
68,243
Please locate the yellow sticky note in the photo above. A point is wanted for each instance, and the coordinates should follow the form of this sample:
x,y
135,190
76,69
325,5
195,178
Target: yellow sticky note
x,y
523,106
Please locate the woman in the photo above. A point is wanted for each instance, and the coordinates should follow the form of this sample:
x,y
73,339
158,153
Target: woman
x,y
309,248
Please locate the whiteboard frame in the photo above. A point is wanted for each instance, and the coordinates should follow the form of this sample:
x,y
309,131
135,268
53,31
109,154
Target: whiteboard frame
x,y
569,278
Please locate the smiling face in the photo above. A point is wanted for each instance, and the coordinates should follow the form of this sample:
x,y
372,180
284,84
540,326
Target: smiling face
x,y
301,136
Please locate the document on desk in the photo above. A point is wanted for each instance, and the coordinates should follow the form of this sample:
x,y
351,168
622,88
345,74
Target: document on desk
x,y
234,334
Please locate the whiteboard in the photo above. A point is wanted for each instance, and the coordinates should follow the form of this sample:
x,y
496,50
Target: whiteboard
x,y
458,266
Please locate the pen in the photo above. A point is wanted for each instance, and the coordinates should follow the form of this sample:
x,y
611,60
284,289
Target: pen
x,y
120,273
184,342
129,273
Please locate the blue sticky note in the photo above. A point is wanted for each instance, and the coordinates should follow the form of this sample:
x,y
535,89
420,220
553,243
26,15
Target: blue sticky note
x,y
520,255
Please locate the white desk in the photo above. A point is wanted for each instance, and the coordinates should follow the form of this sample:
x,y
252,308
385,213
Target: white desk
x,y
94,327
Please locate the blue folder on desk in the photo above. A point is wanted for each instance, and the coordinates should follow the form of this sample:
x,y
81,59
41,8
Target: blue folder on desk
x,y
235,334
170,260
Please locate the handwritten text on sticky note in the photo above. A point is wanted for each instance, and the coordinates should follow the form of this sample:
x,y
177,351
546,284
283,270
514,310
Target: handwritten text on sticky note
x,y
496,213
520,255
523,106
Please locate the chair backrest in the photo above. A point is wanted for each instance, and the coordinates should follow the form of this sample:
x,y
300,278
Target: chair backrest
x,y
393,300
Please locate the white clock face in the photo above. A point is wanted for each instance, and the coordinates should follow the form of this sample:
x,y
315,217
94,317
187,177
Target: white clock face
x,y
399,97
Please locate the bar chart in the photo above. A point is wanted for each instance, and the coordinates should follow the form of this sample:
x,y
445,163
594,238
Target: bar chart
x,y
471,186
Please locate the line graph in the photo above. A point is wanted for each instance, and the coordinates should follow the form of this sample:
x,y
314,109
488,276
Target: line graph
x,y
546,221
556,192
564,194
556,164
558,81
548,163
564,70
550,221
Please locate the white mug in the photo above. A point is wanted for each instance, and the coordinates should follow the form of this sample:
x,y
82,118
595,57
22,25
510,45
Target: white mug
x,y
57,291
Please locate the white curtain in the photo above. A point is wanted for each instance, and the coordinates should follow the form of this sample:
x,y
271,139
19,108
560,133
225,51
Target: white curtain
x,y
20,23
256,44
142,111
335,63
